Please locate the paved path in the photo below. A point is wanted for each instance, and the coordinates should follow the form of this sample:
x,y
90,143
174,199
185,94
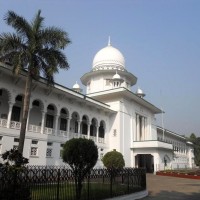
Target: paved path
x,y
171,188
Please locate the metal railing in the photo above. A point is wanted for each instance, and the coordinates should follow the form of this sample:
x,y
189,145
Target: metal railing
x,y
57,183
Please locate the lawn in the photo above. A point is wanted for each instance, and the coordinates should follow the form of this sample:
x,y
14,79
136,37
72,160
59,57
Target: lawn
x,y
67,191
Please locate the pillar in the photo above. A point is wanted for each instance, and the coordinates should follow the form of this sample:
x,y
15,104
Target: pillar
x,y
9,114
56,124
42,123
137,128
79,128
97,136
27,121
88,133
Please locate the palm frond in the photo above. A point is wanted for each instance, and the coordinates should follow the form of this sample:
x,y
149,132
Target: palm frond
x,y
54,37
19,23
37,23
10,42
54,57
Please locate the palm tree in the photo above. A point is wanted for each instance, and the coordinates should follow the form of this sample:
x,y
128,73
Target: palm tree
x,y
35,49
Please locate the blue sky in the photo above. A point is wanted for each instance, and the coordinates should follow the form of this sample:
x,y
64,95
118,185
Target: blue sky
x,y
160,40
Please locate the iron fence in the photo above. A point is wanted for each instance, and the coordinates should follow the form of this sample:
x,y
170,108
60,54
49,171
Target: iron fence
x,y
57,183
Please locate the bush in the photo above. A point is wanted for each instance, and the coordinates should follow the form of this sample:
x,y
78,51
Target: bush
x,y
113,159
10,187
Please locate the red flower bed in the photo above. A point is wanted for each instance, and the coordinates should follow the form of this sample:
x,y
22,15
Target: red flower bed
x,y
191,175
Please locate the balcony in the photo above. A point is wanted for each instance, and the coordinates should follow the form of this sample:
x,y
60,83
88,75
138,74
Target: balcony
x,y
151,144
48,131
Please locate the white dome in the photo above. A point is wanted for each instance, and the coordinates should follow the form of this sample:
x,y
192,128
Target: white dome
x,y
76,86
116,76
139,91
109,58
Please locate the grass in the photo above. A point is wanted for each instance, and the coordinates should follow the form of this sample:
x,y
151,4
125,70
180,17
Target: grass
x,y
67,191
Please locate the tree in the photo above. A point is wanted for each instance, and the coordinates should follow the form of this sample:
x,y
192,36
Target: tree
x,y
14,158
35,49
196,141
12,168
192,137
113,159
81,154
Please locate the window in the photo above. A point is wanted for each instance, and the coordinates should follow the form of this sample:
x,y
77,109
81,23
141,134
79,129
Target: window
x,y
36,103
61,150
76,127
16,114
101,156
15,147
49,143
63,124
107,82
49,121
50,107
49,152
34,142
16,139
61,153
19,98
34,151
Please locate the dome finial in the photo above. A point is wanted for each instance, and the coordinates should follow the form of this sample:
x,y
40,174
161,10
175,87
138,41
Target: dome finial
x,y
109,41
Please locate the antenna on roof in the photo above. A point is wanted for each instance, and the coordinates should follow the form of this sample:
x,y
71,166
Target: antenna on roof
x,y
109,41
162,119
163,124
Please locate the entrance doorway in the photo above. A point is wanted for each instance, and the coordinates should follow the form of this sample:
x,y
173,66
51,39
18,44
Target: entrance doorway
x,y
145,161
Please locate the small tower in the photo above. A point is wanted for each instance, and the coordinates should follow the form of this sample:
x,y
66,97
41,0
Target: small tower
x,y
77,88
116,80
140,93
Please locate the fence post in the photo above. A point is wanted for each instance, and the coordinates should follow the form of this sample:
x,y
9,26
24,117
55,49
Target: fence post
x,y
88,187
15,184
128,182
58,185
143,175
111,181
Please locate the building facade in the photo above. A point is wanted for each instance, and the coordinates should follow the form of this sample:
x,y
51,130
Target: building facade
x,y
109,113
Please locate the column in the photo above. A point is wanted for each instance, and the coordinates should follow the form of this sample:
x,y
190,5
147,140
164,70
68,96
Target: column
x,y
79,128
105,136
68,128
56,124
143,128
9,114
27,121
134,128
97,136
88,133
138,127
42,123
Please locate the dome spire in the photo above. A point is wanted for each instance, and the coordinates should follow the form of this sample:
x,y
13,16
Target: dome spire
x,y
109,41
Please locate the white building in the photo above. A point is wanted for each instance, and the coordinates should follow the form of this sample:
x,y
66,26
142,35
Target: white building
x,y
110,114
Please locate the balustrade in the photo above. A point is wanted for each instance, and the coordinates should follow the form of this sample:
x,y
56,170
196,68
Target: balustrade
x,y
101,140
3,122
15,125
62,133
34,128
49,131
94,138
